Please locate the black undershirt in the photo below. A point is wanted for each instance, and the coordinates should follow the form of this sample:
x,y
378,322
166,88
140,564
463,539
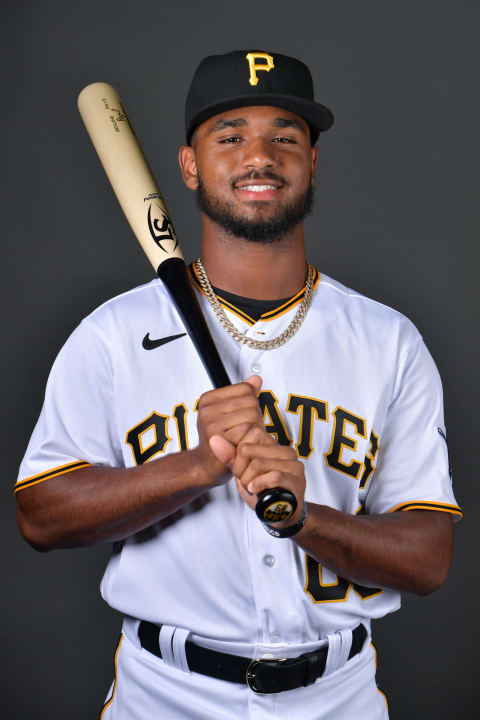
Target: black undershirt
x,y
253,308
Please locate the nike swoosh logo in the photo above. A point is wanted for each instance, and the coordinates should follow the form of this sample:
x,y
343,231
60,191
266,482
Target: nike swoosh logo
x,y
152,344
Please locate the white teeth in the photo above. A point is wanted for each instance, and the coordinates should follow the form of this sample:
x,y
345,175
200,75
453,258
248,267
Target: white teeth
x,y
258,188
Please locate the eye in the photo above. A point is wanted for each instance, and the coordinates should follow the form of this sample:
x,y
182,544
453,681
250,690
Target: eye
x,y
285,140
230,140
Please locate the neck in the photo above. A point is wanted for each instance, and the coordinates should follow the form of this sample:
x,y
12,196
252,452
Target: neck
x,y
254,270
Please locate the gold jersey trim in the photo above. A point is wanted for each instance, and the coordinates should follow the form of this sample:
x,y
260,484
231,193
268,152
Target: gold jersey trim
x,y
271,314
41,477
428,505
110,700
376,666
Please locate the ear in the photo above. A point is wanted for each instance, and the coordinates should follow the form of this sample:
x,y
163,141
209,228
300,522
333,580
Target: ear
x,y
313,163
188,166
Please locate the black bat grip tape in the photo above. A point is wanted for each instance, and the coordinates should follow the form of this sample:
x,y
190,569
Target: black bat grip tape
x,y
272,505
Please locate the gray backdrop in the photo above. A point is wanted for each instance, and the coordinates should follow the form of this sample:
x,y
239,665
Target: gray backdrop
x,y
396,218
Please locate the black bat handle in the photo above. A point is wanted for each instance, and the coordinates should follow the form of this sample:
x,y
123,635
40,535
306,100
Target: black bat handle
x,y
173,272
272,505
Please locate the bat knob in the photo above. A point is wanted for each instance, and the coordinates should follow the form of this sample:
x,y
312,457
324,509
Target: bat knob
x,y
275,505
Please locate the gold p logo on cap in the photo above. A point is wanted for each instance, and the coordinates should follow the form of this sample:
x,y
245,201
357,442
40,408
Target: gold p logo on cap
x,y
252,62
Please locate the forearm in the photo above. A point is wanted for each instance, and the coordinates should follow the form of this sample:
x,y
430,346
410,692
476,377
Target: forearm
x,y
406,551
100,504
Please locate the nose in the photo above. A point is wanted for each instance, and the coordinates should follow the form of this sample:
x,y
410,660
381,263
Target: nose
x,y
259,153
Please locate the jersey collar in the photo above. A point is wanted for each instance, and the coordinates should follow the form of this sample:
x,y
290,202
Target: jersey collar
x,y
271,314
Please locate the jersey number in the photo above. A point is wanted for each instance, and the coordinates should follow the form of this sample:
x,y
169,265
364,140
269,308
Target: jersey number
x,y
334,588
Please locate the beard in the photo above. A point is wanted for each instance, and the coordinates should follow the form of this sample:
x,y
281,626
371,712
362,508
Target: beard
x,y
259,231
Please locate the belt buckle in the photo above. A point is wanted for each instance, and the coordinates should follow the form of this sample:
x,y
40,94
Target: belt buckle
x,y
250,676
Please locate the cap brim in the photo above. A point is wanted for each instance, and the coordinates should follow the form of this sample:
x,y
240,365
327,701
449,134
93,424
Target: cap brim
x,y
318,117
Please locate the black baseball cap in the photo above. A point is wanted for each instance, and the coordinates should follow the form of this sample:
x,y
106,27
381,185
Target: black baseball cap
x,y
253,77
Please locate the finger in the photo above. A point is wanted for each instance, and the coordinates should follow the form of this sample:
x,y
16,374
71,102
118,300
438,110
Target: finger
x,y
230,405
223,450
260,466
247,497
229,391
236,434
273,479
250,450
255,436
256,382
223,423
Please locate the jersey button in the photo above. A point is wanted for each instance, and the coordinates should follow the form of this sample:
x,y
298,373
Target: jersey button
x,y
269,560
275,638
256,367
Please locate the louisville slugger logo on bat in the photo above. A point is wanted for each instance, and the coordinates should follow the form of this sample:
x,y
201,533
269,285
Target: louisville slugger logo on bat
x,y
162,232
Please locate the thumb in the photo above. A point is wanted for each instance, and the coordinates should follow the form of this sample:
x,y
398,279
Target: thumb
x,y
223,450
256,382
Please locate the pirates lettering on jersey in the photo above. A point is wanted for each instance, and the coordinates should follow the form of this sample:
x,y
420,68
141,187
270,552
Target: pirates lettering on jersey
x,y
307,407
276,426
179,413
368,466
150,436
341,440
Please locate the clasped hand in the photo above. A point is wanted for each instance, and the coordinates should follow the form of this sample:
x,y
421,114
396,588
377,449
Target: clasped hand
x,y
238,440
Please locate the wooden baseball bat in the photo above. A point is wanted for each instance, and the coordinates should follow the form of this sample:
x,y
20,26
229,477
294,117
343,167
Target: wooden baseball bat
x,y
137,192
132,180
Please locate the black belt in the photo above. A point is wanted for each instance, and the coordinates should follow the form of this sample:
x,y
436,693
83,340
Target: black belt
x,y
262,676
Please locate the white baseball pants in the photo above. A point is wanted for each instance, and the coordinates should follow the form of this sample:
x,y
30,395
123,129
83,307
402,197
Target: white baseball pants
x,y
148,688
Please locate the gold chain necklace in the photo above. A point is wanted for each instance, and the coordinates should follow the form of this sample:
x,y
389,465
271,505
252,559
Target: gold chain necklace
x,y
244,339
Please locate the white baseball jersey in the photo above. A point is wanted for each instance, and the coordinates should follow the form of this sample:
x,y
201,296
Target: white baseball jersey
x,y
355,391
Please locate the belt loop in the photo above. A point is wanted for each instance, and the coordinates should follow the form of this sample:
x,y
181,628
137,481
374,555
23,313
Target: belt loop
x,y
345,646
339,645
130,629
165,643
178,645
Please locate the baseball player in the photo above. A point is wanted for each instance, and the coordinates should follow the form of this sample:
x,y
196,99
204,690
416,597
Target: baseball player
x,y
335,398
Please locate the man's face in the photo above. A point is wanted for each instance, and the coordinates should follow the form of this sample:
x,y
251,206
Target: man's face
x,y
252,170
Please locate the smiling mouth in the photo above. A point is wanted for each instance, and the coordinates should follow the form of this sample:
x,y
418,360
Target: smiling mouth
x,y
258,188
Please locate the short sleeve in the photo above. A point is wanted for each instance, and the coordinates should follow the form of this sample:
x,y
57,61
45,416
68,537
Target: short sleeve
x,y
77,424
412,465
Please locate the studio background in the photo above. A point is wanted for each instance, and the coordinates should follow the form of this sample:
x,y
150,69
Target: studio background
x,y
396,218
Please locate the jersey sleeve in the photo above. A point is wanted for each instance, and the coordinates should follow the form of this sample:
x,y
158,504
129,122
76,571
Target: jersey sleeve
x,y
77,423
412,465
